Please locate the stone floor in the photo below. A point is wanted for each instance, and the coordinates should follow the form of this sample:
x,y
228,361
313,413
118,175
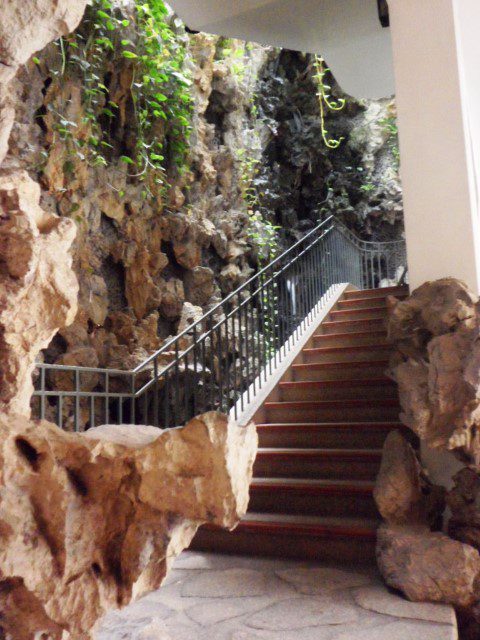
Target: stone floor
x,y
212,597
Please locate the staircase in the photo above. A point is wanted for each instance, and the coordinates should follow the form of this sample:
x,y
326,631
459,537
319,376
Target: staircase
x,y
321,433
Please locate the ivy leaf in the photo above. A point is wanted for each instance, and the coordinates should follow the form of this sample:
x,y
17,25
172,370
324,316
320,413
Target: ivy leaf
x,y
129,54
126,160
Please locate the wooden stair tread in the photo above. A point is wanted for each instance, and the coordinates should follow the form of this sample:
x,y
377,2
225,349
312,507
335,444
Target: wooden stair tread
x,y
311,525
320,453
349,349
353,301
352,334
381,311
386,291
332,425
340,323
312,485
333,404
355,364
352,382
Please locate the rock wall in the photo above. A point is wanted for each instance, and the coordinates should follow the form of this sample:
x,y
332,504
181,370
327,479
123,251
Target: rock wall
x,y
255,162
436,365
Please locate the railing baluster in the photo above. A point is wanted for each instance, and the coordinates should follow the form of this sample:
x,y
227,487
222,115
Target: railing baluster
x,y
156,391
107,403
166,401
195,377
92,412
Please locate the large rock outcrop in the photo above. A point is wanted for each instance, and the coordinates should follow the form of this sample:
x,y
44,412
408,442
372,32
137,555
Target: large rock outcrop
x,y
428,566
437,365
38,289
89,522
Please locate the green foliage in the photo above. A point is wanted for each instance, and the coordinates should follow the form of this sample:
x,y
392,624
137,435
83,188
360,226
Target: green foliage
x,y
368,187
390,126
148,43
326,102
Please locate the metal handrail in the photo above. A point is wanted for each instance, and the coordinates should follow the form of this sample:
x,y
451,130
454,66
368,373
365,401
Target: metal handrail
x,y
215,360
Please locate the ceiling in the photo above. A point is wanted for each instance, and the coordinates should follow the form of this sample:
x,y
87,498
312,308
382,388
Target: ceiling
x,y
347,33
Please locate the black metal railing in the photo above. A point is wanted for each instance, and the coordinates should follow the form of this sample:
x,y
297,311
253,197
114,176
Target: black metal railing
x,y
221,361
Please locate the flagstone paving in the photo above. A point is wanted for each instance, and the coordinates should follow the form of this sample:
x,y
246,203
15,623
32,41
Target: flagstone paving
x,y
213,597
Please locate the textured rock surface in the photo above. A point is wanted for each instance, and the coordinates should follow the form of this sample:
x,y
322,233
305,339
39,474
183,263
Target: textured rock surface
x,y
437,365
464,503
428,567
38,289
29,26
90,522
403,493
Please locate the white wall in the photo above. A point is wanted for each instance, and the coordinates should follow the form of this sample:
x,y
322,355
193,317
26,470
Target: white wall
x,y
436,59
346,32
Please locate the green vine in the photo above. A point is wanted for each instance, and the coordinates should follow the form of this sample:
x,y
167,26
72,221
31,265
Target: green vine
x,y
326,102
390,126
147,43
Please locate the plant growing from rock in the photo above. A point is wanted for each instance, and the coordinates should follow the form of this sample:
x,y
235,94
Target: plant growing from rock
x,y
326,102
146,40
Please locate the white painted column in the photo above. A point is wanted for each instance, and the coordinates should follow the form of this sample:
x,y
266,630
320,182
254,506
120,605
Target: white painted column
x,y
436,50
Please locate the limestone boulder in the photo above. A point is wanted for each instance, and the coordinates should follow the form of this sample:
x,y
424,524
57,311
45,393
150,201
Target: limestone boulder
x,y
436,364
428,567
92,521
464,503
403,493
199,285
38,289
433,309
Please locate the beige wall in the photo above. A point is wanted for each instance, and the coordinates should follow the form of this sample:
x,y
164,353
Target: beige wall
x,y
436,60
347,32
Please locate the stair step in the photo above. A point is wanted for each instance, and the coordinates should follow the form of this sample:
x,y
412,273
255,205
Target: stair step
x,y
380,387
350,339
286,536
369,313
339,370
354,326
365,301
306,496
345,464
329,434
357,353
375,293
333,410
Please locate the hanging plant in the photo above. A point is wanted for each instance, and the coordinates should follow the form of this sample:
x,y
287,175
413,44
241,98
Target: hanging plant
x,y
326,102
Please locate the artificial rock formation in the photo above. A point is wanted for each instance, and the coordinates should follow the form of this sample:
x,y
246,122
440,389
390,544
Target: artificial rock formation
x,y
437,365
464,503
27,27
38,289
403,492
428,566
89,522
